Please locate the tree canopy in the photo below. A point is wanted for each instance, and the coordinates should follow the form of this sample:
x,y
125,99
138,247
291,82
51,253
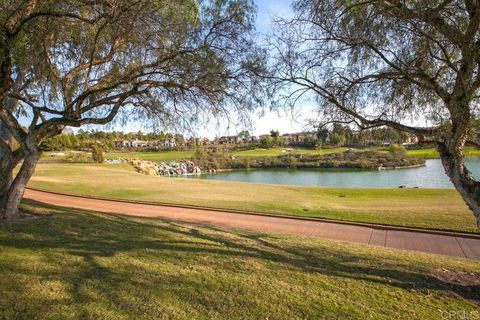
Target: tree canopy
x,y
75,63
409,65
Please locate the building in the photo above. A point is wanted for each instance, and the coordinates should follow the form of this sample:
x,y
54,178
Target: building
x,y
296,138
228,140
169,143
411,139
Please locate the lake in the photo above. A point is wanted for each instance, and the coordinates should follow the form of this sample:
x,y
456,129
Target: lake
x,y
432,175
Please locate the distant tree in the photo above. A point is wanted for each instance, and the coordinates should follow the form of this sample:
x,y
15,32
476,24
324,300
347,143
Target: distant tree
x,y
267,142
274,134
245,136
275,137
336,139
322,136
97,153
75,63
310,141
179,140
378,63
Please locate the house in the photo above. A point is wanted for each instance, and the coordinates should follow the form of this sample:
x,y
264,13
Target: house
x,y
202,141
169,143
228,140
296,138
411,139
263,136
135,144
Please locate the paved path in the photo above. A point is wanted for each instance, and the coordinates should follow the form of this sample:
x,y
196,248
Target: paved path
x,y
457,246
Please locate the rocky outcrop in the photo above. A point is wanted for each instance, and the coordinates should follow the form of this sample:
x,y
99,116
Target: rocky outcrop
x,y
160,169
178,168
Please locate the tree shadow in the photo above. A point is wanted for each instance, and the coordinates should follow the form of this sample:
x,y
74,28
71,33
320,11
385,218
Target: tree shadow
x,y
92,237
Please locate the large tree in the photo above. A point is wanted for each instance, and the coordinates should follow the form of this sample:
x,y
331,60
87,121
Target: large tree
x,y
76,62
410,65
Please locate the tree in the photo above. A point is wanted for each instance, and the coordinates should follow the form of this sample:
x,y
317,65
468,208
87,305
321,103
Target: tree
x,y
310,141
275,137
382,62
75,63
337,139
274,134
267,142
97,153
322,136
245,136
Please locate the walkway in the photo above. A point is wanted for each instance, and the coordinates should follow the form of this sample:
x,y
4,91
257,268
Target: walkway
x,y
446,244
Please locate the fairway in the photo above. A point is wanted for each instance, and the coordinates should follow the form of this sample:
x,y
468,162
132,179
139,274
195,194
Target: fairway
x,y
161,156
78,264
425,208
152,156
431,153
166,156
275,152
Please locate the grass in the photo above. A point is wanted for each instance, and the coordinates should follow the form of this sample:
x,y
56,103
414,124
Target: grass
x,y
425,208
431,153
80,264
427,153
152,156
274,152
180,155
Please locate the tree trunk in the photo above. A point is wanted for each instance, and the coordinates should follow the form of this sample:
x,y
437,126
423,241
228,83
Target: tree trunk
x,y
466,185
11,194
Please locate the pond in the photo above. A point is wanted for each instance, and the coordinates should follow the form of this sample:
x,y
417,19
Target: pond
x,y
432,175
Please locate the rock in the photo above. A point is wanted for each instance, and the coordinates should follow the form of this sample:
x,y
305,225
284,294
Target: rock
x,y
165,169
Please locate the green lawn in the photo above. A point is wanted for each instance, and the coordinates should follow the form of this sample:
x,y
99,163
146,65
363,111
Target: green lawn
x,y
425,208
152,156
86,265
428,153
179,155
274,152
431,153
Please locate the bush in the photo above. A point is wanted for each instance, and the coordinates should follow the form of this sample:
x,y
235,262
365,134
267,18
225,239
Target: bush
x,y
97,154
78,157
292,161
246,163
397,149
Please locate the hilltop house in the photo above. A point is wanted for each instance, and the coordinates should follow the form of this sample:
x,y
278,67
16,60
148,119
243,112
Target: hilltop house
x,y
168,143
295,138
228,140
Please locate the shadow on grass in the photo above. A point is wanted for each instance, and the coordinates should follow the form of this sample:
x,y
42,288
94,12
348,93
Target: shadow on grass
x,y
88,238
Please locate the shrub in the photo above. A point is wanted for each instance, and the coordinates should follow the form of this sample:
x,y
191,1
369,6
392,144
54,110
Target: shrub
x,y
397,149
97,154
292,161
78,157
246,163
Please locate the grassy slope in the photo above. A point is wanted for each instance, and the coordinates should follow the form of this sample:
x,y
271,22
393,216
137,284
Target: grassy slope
x,y
179,155
431,153
274,152
153,156
428,208
80,264
428,153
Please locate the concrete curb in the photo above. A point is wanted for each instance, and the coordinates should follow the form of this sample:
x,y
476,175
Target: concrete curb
x,y
325,220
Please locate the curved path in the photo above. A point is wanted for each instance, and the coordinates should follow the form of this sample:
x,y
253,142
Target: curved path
x,y
457,245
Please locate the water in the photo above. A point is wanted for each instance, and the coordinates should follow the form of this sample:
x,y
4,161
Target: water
x,y
430,176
